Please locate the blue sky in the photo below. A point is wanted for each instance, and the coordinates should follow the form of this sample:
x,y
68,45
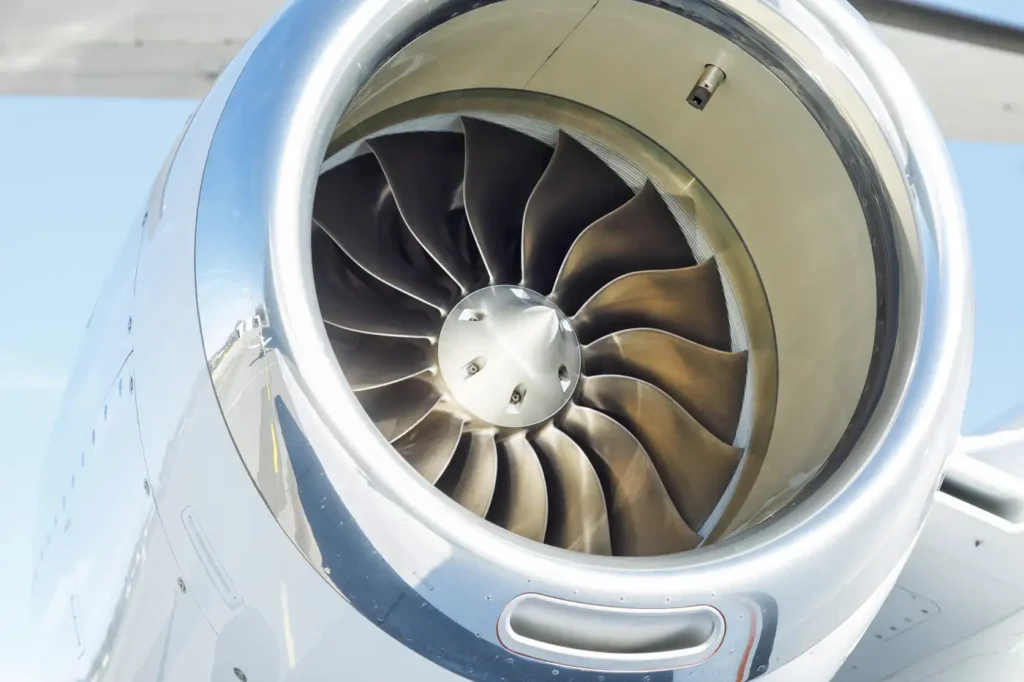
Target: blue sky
x,y
1006,11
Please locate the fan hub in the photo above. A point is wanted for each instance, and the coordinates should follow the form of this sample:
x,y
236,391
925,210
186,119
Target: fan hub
x,y
509,356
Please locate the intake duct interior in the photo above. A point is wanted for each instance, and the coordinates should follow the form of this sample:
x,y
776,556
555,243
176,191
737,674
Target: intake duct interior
x,y
610,311
426,237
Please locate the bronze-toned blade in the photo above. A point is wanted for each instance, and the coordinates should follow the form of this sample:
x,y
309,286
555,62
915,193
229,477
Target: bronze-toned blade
x,y
687,302
708,383
502,168
347,302
424,170
577,516
374,361
429,445
471,476
355,208
639,235
396,408
520,501
694,465
643,520
576,189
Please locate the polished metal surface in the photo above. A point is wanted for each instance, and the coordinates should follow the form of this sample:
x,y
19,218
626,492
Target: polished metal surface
x,y
425,550
710,78
509,356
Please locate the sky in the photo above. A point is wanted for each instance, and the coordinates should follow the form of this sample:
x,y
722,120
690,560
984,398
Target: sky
x,y
74,174
1006,11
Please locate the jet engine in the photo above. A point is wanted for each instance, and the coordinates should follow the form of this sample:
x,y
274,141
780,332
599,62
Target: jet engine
x,y
587,340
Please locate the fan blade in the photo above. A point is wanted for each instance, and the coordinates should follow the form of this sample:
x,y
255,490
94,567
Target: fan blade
x,y
373,361
502,168
687,302
355,208
642,517
470,478
396,408
707,383
576,189
577,516
348,302
694,465
520,496
425,170
639,235
429,446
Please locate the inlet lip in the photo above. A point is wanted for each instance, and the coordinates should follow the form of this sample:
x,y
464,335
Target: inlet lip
x,y
256,204
612,638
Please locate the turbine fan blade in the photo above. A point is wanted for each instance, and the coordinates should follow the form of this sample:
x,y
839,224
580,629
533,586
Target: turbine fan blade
x,y
642,517
425,171
694,465
347,302
502,168
396,408
473,472
354,206
639,235
429,446
707,383
576,189
687,302
520,501
577,516
371,362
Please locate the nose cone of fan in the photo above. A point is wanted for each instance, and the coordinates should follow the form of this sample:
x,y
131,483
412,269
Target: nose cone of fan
x,y
508,356
459,273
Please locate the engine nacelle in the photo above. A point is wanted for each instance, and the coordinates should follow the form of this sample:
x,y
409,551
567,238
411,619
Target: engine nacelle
x,y
521,339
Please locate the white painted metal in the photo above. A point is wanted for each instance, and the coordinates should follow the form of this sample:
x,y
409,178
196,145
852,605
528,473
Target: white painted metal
x,y
963,577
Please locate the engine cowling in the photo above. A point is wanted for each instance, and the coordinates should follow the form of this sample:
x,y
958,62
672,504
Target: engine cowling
x,y
598,340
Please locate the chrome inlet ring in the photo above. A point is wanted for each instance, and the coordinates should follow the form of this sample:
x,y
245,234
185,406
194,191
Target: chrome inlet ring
x,y
256,204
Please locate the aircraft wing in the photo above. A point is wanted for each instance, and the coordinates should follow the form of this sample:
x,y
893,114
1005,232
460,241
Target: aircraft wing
x,y
965,66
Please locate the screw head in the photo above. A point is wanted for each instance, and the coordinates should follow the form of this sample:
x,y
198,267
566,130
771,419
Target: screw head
x,y
181,585
145,486
129,323
240,675
131,384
